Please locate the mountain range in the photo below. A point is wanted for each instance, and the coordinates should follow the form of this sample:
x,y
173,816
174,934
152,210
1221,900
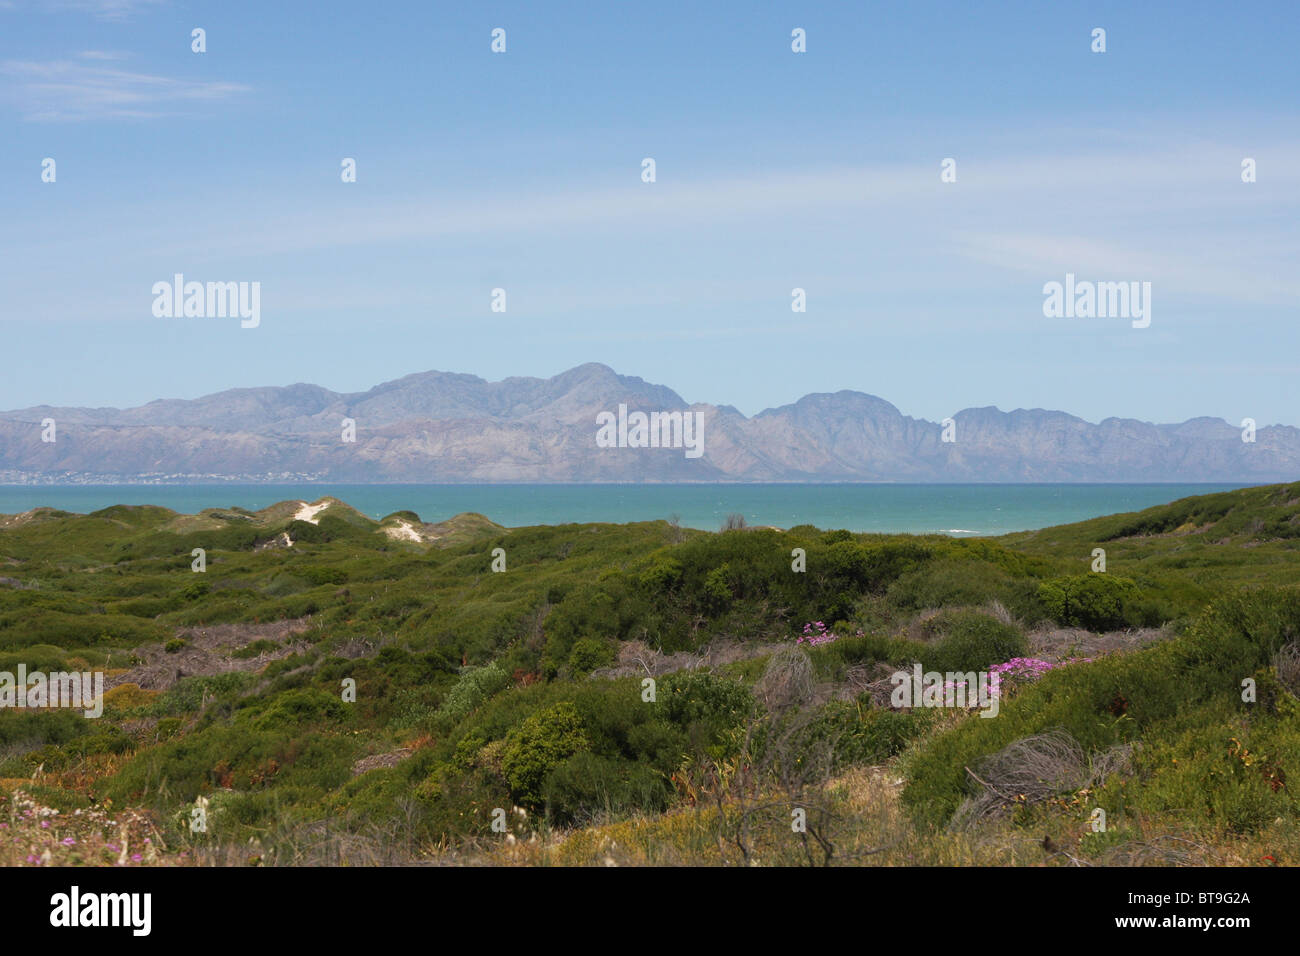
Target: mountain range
x,y
448,427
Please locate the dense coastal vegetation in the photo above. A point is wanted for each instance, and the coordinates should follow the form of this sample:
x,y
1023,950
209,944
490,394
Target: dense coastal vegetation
x,y
334,689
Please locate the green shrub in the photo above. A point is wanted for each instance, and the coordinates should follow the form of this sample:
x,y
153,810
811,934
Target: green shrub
x,y
588,654
856,649
475,685
255,648
700,697
950,582
664,575
885,563
195,590
587,786
319,576
847,563
718,587
296,708
186,695
1093,601
706,708
40,657
537,746
861,734
972,642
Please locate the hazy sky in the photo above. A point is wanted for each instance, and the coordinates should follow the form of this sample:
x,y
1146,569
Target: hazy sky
x,y
775,170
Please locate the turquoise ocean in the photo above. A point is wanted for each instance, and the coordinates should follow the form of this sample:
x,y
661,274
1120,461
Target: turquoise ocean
x,y
956,509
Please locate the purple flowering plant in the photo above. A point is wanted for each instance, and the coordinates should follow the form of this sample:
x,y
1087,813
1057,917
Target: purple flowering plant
x,y
815,633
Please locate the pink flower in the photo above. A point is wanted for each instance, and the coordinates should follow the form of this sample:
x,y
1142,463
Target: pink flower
x,y
1030,668
816,633
136,857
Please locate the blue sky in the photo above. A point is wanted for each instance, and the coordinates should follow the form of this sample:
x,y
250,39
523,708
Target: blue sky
x,y
775,170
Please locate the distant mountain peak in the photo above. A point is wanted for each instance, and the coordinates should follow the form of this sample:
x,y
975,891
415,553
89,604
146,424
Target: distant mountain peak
x,y
453,426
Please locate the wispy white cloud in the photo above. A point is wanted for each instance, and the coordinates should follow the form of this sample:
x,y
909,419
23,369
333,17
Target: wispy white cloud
x,y
1036,217
68,90
101,9
1179,218
1187,267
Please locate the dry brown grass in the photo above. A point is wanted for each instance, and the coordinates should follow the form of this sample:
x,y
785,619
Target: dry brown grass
x,y
1033,769
787,681
1056,644
1287,665
209,650
638,658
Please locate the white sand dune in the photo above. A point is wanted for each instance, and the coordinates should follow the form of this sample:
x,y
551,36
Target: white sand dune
x,y
308,512
403,532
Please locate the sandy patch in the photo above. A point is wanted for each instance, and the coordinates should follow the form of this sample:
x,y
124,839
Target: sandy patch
x,y
404,532
308,512
281,540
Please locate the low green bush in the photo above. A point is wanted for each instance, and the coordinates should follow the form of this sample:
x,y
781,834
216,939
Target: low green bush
x,y
539,745
586,786
973,641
